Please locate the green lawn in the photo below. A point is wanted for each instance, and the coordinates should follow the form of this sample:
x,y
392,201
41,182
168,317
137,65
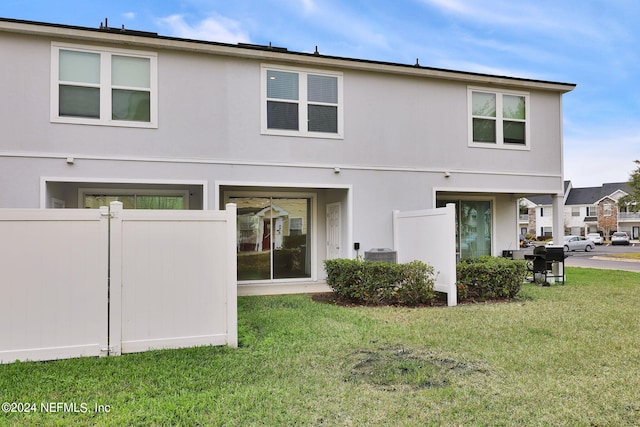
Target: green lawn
x,y
561,355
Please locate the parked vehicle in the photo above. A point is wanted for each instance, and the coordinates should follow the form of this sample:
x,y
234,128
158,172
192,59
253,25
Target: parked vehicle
x,y
576,243
596,237
620,238
524,243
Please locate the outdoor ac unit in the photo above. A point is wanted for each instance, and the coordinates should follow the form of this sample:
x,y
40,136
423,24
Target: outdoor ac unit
x,y
381,255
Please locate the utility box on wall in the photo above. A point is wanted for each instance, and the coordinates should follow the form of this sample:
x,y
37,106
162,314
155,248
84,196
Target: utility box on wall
x,y
381,255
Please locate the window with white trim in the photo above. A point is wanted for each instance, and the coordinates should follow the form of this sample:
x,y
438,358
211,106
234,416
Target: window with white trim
x,y
296,226
93,198
299,102
100,86
498,119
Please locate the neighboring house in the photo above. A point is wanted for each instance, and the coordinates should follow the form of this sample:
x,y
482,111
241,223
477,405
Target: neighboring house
x,y
536,214
586,210
316,151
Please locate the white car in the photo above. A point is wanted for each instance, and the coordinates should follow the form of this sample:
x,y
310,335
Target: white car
x,y
576,243
596,237
620,238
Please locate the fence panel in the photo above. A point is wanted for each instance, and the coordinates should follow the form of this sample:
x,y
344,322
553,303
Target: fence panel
x,y
53,284
173,279
429,235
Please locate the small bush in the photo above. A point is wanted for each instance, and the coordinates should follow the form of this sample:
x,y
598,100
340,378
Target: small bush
x,y
490,277
380,282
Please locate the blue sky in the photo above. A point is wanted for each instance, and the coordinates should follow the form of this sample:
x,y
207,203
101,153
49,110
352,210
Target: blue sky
x,y
592,43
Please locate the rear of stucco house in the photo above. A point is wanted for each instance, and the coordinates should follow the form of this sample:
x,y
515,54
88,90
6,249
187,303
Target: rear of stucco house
x,y
316,151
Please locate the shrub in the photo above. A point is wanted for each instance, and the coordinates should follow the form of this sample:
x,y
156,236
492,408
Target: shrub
x,y
490,277
381,282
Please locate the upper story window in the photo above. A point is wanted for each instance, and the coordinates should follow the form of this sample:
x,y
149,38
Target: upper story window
x,y
100,86
575,211
498,119
299,102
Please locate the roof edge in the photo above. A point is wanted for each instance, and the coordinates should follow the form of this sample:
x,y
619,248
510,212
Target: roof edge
x,y
153,40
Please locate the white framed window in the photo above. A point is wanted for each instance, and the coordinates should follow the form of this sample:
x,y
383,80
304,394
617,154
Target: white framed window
x,y
93,198
498,119
296,226
301,102
575,211
103,86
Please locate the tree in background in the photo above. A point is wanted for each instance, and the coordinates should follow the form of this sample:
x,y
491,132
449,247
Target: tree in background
x,y
632,201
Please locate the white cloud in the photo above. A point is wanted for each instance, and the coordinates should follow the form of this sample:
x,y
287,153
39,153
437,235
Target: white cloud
x,y
129,15
608,157
474,67
212,28
308,5
543,18
452,5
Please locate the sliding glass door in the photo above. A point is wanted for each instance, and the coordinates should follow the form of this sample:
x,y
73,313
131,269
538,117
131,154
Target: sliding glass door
x,y
274,237
473,227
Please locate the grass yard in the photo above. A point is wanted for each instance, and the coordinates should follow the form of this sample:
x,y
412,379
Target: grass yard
x,y
562,355
634,256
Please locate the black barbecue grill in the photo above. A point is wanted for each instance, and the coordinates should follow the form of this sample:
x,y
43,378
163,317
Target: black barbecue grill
x,y
542,262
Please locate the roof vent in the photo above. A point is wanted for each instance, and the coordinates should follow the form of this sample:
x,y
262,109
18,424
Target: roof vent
x,y
105,27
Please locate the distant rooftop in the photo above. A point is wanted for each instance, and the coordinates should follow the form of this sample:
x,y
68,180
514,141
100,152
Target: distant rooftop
x,y
584,195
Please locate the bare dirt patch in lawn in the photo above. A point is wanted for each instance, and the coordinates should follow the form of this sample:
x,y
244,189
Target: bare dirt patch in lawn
x,y
402,368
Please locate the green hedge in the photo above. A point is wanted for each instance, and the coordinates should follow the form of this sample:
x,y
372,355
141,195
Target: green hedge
x,y
490,277
380,282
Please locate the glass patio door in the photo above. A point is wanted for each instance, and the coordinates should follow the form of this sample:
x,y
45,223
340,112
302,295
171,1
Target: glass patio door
x,y
473,227
273,239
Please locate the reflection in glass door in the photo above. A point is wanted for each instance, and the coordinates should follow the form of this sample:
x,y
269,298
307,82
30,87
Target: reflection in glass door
x,y
473,227
274,239
254,259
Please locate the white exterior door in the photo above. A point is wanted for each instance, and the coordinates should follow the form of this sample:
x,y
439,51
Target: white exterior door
x,y
334,230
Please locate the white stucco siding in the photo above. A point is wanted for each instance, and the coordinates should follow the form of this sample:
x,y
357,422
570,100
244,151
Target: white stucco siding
x,y
404,141
209,108
25,68
368,197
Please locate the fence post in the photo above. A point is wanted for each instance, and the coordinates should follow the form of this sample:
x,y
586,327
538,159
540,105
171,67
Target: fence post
x,y
115,278
452,294
232,275
103,241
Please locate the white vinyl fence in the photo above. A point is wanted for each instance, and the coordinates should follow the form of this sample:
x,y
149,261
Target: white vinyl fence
x,y
429,236
105,282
